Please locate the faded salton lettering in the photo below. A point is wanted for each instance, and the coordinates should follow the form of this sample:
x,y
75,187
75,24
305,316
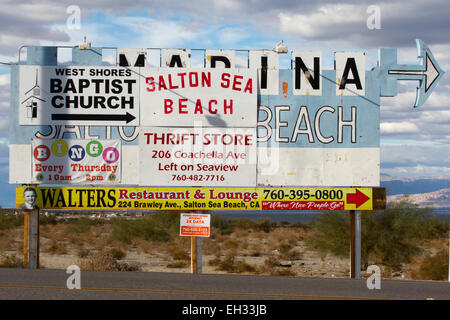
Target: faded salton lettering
x,y
308,125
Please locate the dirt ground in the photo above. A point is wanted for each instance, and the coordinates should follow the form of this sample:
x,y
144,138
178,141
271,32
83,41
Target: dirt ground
x,y
283,251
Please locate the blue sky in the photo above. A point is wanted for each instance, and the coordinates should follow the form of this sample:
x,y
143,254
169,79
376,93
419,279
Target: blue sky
x,y
415,143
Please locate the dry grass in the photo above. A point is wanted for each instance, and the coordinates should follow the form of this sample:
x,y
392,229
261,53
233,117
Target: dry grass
x,y
56,247
105,261
282,251
10,261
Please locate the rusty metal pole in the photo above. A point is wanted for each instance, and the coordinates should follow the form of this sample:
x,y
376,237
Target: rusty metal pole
x,y
31,239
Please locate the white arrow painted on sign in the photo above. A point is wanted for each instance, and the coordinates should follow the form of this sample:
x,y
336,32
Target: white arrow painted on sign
x,y
430,72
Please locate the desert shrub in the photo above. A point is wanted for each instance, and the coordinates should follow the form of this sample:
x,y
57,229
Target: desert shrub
x,y
56,247
283,272
147,228
47,220
284,224
245,224
117,254
104,261
82,225
11,261
177,264
264,224
390,237
331,233
124,230
300,225
434,267
288,252
153,230
215,261
9,221
82,252
180,254
166,220
221,224
231,265
231,244
271,262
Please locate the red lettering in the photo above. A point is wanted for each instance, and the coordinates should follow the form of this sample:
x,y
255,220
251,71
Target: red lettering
x,y
171,86
249,86
161,83
237,83
151,82
182,75
225,80
182,106
123,194
227,107
206,79
168,103
198,107
248,140
210,106
193,79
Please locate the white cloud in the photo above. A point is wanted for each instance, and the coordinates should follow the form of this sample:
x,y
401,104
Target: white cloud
x,y
158,33
331,17
4,79
398,127
417,172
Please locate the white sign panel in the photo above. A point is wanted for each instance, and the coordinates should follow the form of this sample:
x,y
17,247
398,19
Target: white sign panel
x,y
307,79
127,57
206,97
197,156
195,225
84,95
266,62
76,161
175,58
350,73
220,59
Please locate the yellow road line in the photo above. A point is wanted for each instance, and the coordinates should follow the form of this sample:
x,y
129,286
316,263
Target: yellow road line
x,y
245,294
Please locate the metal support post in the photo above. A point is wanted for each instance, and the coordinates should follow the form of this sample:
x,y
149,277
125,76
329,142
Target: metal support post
x,y
358,245
31,239
355,244
352,244
196,255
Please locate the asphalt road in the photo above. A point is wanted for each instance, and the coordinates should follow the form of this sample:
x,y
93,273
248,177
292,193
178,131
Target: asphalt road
x,y
43,284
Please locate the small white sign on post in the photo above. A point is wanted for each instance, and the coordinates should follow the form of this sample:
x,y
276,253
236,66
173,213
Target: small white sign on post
x,y
195,225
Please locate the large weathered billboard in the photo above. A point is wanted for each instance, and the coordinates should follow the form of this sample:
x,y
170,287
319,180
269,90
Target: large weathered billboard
x,y
306,126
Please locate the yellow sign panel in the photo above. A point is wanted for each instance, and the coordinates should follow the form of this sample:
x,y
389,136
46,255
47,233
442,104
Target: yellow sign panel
x,y
190,198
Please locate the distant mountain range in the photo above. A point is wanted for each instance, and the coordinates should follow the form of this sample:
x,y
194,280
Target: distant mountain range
x,y
411,186
435,199
423,192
